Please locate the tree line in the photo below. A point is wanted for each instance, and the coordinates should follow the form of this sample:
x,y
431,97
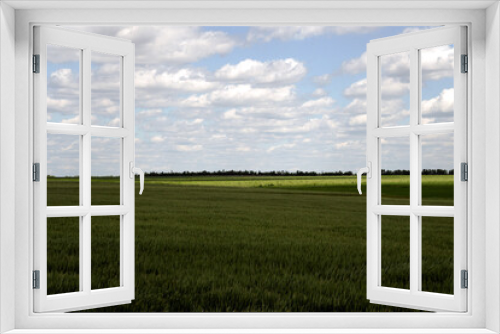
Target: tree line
x,y
288,173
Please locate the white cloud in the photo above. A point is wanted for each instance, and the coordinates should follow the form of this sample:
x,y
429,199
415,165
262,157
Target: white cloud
x,y
157,139
176,44
319,103
358,120
63,106
287,33
437,63
171,45
440,106
355,65
394,112
188,148
356,89
149,113
74,120
319,92
390,88
185,79
231,114
116,122
232,95
281,71
322,80
278,147
356,106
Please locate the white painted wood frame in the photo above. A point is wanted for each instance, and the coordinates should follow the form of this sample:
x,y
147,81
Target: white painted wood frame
x,y
415,297
87,43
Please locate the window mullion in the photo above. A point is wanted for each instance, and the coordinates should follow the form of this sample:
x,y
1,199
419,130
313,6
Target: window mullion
x,y
414,174
85,255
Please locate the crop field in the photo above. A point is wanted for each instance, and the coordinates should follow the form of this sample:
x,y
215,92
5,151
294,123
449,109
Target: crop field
x,y
251,244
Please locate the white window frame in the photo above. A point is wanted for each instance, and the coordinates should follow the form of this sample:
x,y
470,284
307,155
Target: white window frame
x,y
412,44
483,249
124,50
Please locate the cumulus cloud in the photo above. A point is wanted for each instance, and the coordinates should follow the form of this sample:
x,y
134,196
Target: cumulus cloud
x,y
322,80
184,80
319,92
266,34
358,120
354,65
356,89
436,62
281,71
176,44
172,45
319,103
243,94
439,107
189,148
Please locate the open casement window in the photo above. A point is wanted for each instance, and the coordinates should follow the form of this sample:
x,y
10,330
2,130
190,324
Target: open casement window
x,y
83,131
419,132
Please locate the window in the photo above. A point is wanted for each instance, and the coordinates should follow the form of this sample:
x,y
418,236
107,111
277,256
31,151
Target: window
x,y
446,132
72,214
481,226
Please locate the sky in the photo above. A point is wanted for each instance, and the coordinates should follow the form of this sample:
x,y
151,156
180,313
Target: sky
x,y
249,98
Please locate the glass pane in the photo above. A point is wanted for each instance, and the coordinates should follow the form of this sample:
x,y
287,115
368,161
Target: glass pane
x,y
437,254
395,165
395,89
437,92
63,84
437,169
63,170
106,89
63,255
395,251
105,252
106,154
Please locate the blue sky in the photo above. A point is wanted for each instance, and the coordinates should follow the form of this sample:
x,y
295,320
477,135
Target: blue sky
x,y
250,98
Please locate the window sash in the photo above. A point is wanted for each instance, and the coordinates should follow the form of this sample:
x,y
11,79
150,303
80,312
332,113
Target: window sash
x,y
414,298
86,297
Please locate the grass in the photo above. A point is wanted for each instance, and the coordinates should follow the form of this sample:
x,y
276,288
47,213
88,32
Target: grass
x,y
253,244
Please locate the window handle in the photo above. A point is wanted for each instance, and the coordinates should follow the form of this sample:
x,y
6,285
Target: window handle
x,y
361,171
133,172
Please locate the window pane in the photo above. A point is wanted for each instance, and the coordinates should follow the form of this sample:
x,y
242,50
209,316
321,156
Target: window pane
x,y
105,252
395,165
437,254
395,89
106,168
63,84
395,251
63,170
63,255
437,169
106,89
437,92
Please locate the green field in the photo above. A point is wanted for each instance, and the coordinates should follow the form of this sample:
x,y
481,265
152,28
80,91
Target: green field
x,y
251,244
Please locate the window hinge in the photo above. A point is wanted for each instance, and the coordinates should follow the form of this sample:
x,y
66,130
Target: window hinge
x,y
465,64
36,172
36,279
464,171
36,63
465,279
